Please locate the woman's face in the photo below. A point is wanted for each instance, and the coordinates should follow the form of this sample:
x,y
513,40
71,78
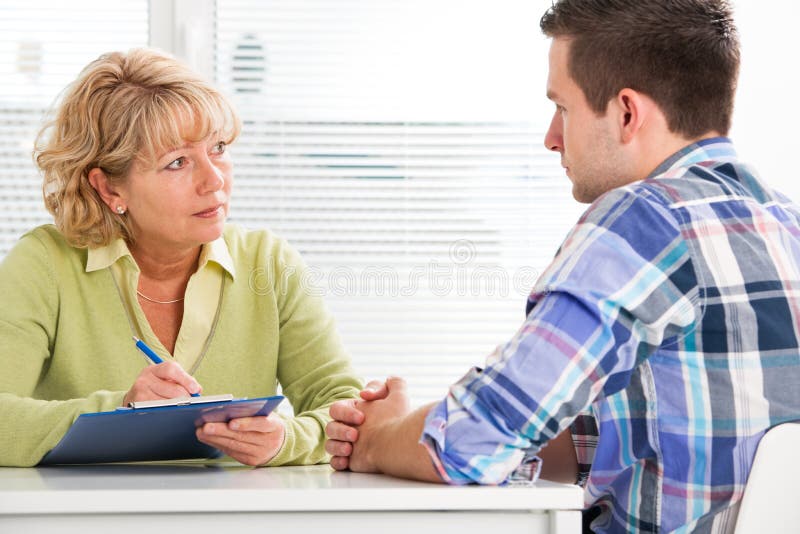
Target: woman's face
x,y
182,202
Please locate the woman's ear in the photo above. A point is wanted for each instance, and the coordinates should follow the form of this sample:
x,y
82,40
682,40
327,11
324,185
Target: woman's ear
x,y
108,193
632,109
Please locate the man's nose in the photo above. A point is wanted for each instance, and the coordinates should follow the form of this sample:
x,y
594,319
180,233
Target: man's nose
x,y
554,140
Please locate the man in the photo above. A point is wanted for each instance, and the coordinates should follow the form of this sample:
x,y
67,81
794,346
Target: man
x,y
662,342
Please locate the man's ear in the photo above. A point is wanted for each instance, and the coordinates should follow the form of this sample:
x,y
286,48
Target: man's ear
x,y
108,193
632,110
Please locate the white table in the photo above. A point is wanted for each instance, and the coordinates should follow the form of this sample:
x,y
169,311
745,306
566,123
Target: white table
x,y
227,499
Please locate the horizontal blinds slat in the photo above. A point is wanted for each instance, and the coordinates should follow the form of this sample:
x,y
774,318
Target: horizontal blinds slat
x,y
43,46
431,341
379,164
332,59
361,164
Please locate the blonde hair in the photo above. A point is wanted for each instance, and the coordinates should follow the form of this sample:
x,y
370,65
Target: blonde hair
x,y
123,108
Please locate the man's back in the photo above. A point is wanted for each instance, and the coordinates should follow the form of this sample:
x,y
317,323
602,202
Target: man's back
x,y
676,444
669,312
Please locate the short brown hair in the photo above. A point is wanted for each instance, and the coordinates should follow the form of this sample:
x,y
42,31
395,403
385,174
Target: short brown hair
x,y
684,54
123,107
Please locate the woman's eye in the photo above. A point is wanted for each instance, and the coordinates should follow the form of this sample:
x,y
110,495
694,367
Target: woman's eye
x,y
176,164
219,148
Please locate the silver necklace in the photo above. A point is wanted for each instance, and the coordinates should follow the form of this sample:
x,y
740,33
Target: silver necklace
x,y
145,297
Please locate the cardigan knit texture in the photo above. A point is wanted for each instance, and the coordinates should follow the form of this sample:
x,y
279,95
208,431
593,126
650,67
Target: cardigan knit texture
x,y
66,349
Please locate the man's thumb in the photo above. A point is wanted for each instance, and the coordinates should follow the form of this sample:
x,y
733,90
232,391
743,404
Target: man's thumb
x,y
395,384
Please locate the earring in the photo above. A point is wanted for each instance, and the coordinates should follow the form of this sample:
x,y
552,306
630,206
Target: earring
x,y
120,210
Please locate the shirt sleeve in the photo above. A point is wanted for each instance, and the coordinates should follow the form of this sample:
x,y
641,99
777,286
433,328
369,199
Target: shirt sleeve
x,y
584,438
620,285
314,369
29,427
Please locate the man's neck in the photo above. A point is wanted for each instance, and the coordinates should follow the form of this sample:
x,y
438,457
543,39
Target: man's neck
x,y
661,148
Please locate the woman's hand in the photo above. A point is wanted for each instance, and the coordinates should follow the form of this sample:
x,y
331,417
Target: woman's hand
x,y
249,440
166,380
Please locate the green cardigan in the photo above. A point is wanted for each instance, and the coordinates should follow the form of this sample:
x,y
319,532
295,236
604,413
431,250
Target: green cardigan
x,y
66,349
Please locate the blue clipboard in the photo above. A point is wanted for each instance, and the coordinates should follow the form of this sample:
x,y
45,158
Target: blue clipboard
x,y
145,432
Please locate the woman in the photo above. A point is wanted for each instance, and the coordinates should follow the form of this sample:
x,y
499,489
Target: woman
x,y
138,179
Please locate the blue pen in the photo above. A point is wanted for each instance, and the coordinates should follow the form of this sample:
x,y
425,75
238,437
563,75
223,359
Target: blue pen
x,y
152,356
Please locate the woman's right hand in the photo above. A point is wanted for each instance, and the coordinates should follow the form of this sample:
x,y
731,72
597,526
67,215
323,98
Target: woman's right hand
x,y
166,380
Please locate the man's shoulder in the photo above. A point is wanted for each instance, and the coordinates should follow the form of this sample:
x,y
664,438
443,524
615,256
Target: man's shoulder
x,y
713,181
629,205
682,187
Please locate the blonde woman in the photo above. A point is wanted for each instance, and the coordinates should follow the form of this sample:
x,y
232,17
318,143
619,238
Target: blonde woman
x,y
138,179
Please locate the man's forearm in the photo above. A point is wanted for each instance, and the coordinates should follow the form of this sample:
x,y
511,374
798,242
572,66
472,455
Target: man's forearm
x,y
396,449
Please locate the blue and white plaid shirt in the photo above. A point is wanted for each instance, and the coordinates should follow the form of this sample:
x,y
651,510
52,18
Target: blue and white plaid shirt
x,y
666,333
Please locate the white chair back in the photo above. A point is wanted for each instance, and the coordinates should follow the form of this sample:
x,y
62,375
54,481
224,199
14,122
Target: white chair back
x,y
771,502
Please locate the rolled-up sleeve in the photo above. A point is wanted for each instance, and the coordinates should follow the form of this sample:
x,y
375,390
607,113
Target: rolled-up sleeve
x,y
613,293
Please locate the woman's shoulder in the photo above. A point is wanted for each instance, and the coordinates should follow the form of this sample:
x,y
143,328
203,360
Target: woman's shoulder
x,y
40,254
45,240
257,245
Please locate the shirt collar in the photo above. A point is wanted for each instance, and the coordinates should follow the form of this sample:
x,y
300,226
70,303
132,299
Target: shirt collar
x,y
217,251
715,149
101,257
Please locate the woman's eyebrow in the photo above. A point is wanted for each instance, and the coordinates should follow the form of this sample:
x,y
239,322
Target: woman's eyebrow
x,y
185,145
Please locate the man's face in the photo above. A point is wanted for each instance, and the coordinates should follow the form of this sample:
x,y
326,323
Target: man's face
x,y
588,143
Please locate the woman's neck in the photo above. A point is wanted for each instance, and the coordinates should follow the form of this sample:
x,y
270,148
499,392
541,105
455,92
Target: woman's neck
x,y
165,265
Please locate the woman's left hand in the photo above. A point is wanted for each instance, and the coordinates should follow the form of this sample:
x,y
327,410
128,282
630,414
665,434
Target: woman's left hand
x,y
250,440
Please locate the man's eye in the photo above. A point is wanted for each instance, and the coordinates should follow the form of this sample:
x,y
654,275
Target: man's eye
x,y
219,148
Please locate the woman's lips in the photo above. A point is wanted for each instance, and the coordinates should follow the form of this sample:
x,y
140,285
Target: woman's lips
x,y
210,212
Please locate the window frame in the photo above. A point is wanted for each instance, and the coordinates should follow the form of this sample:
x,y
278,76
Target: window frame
x,y
185,29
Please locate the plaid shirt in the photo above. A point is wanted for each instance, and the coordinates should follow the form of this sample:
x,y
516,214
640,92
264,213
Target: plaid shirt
x,y
668,325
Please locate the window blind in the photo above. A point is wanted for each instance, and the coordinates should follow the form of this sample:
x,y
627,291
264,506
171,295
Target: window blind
x,y
43,47
399,146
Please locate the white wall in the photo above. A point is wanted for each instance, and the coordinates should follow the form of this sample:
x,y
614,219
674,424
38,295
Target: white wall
x,y
768,102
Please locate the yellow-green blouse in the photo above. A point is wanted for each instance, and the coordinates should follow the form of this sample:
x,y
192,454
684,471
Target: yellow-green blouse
x,y
250,322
